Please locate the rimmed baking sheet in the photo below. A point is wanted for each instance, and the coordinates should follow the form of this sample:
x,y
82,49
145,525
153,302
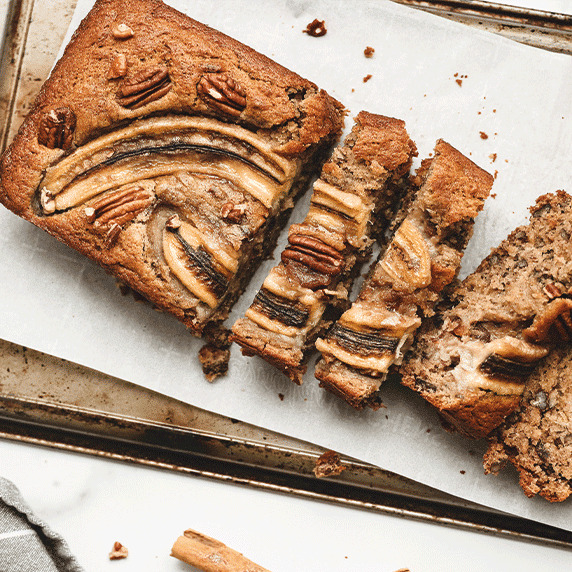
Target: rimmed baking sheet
x,y
46,410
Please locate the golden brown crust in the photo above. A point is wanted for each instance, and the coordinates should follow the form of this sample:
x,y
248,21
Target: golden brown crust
x,y
134,60
457,187
384,140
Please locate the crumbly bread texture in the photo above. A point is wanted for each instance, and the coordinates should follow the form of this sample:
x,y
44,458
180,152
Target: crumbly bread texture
x,y
354,199
405,284
168,153
537,438
472,360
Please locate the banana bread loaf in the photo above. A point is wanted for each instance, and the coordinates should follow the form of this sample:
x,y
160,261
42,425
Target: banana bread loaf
x,y
168,153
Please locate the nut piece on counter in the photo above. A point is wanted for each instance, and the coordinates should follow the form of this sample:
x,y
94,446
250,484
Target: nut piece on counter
x,y
119,552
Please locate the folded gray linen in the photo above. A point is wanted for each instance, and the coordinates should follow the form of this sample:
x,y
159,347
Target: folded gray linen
x,y
26,543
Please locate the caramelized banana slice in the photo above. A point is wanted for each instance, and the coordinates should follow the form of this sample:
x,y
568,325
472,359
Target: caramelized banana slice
x,y
165,145
187,254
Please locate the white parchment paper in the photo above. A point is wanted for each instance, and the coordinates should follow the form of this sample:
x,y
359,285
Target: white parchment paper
x,y
506,106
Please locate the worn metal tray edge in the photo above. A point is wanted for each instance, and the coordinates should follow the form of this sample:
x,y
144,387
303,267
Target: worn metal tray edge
x,y
172,436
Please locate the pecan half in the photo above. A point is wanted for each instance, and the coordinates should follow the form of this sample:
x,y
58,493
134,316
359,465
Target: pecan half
x,y
56,128
314,254
118,207
223,93
144,87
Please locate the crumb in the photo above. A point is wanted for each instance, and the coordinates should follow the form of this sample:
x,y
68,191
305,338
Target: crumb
x,y
316,29
495,174
368,52
462,472
459,82
403,570
478,112
386,417
484,135
119,552
214,361
215,354
281,396
456,75
494,110
493,157
353,89
428,430
328,465
494,195
367,78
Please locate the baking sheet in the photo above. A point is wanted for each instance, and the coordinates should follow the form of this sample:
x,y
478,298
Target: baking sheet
x,y
512,102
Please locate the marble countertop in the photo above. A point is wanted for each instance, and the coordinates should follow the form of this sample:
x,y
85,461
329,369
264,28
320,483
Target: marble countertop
x,y
94,502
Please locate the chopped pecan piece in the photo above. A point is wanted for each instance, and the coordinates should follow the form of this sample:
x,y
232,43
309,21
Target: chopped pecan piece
x,y
316,29
314,254
122,32
328,464
112,235
144,87
119,551
56,128
118,67
223,93
232,212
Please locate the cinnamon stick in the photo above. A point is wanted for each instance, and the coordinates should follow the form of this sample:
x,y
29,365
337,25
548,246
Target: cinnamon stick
x,y
211,555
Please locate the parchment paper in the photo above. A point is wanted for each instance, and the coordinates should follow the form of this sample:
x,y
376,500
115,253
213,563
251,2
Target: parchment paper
x,y
504,105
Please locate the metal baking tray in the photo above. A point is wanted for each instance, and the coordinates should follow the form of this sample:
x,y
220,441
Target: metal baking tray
x,y
51,402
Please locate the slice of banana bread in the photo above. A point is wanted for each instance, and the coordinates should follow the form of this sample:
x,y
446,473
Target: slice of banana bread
x,y
354,199
537,437
168,153
472,360
423,257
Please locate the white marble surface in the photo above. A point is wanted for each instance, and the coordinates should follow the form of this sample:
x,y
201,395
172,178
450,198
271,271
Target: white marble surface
x,y
94,502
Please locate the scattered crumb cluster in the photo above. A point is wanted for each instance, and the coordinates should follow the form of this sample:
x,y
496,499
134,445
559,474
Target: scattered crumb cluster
x,y
460,79
316,29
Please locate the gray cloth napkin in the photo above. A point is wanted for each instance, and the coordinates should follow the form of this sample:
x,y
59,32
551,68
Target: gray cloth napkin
x,y
26,543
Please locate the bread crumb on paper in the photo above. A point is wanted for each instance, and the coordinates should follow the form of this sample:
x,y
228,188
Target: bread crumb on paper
x,y
316,29
368,52
119,552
